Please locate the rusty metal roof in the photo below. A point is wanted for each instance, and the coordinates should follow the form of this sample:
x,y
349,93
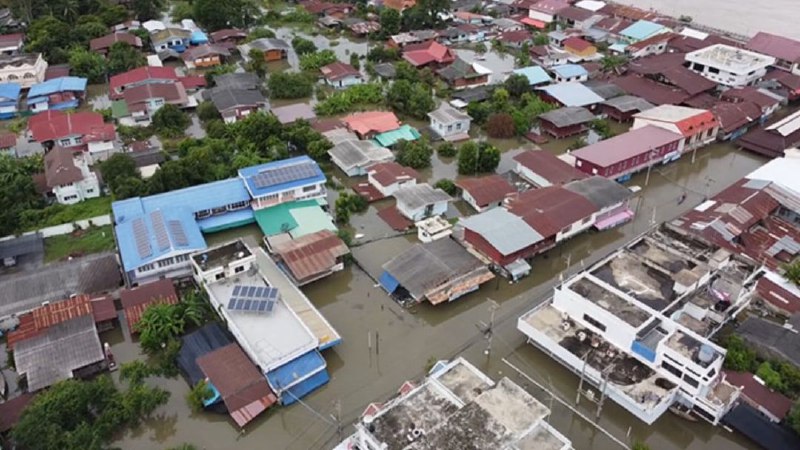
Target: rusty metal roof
x,y
135,301
40,319
312,255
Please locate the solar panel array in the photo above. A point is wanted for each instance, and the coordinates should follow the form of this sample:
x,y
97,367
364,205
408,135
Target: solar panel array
x,y
254,299
285,174
177,233
160,229
142,238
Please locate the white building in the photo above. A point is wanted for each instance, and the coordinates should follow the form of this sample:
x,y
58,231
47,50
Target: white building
x,y
26,69
354,156
648,310
68,176
421,201
457,406
433,228
287,180
388,177
698,127
729,66
449,123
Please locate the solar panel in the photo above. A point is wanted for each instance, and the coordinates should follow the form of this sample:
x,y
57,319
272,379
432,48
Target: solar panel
x,y
177,233
285,174
255,299
141,238
160,230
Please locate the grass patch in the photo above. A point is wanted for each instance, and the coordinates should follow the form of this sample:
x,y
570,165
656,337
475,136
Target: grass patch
x,y
57,214
82,242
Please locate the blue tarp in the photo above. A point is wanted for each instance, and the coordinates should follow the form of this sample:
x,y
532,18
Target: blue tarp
x,y
304,388
198,37
388,282
293,372
198,343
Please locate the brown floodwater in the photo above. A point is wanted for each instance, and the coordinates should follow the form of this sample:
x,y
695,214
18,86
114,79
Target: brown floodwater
x,y
384,344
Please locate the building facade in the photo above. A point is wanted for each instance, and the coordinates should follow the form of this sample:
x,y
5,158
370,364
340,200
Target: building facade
x,y
729,66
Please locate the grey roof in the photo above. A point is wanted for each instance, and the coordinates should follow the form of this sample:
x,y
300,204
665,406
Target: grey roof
x,y
771,339
241,80
567,116
506,232
226,98
447,114
600,191
627,103
53,355
292,113
353,153
426,266
477,94
605,90
267,44
420,195
22,245
386,70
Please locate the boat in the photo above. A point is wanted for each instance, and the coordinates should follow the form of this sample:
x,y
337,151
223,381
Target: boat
x,y
683,412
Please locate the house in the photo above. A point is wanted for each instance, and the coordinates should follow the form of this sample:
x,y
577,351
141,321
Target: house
x,y
786,51
368,124
234,103
174,39
729,66
412,37
228,37
514,39
536,75
399,5
579,48
238,80
461,74
311,257
684,79
650,90
735,119
428,53
135,301
624,107
240,384
548,57
80,130
153,25
773,405
766,101
9,100
8,144
786,81
566,121
340,75
485,192
773,138
354,157
11,44
205,55
545,11
543,169
70,349
503,25
439,271
290,114
466,17
622,155
68,177
569,95
449,123
56,94
609,29
569,72
103,44
139,76
576,17
288,180
641,30
419,201
139,103
472,395
698,126
462,34
608,197
654,45
273,49
26,69
11,411
778,294
388,177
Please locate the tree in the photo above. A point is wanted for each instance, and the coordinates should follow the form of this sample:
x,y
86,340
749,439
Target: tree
x,y
88,28
501,126
792,272
770,376
602,127
170,121
146,9
446,185
381,54
181,10
447,150
739,357
258,33
17,192
349,203
613,62
206,111
313,61
216,15
793,418
390,22
117,171
256,62
159,324
50,36
355,61
516,85
480,48
87,64
415,154
290,85
540,39
303,46
474,158
123,57
413,99
197,396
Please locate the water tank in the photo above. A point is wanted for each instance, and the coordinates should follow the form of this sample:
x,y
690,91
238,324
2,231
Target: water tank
x,y
706,354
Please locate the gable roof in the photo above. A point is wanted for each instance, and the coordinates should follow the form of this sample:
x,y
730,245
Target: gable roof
x,y
420,195
687,120
572,94
169,33
447,114
10,91
227,33
577,43
569,70
338,70
550,209
225,98
60,169
350,154
388,173
11,411
292,113
780,47
534,74
53,125
56,85
626,145
170,92
504,231
427,52
642,29
140,74
364,123
486,190
653,92
135,301
732,116
311,255
238,80
284,166
575,13
548,166
105,42
461,69
568,116
204,51
627,103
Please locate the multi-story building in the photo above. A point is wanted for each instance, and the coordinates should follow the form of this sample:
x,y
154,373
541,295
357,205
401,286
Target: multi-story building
x,y
26,69
729,66
283,181
68,176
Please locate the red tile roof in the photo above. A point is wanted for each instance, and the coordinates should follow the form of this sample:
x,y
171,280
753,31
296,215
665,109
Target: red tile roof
x,y
388,173
193,81
549,166
577,43
703,120
486,190
574,13
312,255
105,42
54,125
40,319
240,383
372,122
550,209
136,300
427,52
653,92
11,411
778,296
138,75
338,70
774,402
8,140
780,47
786,79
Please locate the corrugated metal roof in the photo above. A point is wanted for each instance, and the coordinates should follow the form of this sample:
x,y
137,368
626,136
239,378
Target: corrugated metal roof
x,y
419,195
627,145
40,319
311,255
572,94
601,191
506,232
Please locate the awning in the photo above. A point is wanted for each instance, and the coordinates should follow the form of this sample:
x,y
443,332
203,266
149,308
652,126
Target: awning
x,y
388,282
534,23
518,268
615,219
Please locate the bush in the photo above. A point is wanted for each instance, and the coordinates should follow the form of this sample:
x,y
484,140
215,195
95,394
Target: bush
x,y
415,154
351,99
170,121
199,394
476,158
447,150
349,203
206,111
312,62
290,85
303,46
770,376
446,185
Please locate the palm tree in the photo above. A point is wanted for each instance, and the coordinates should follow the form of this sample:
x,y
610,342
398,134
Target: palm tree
x,y
613,62
195,308
792,272
159,324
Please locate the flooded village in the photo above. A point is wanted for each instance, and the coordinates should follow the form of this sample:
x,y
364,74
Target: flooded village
x,y
320,225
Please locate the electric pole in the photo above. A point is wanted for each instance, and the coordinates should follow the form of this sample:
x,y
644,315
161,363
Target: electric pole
x,y
488,329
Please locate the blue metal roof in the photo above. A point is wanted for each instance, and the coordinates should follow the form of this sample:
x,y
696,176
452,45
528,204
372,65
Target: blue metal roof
x,y
570,71
248,174
304,388
289,374
534,74
227,220
9,91
642,29
572,94
198,37
62,84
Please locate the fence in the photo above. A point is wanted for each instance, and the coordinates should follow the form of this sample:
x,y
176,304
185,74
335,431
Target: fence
x,y
66,228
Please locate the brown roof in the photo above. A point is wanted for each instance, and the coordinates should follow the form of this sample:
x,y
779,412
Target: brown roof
x,y
204,51
59,168
8,140
732,116
312,255
136,300
751,94
11,411
388,173
228,33
105,42
653,92
774,402
788,80
549,166
40,319
242,386
325,125
550,209
575,13
170,92
613,24
687,80
780,47
655,64
777,295
652,40
514,36
338,70
486,190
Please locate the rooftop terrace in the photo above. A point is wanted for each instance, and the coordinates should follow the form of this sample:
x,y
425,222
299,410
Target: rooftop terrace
x,y
735,58
611,302
221,256
644,282
693,349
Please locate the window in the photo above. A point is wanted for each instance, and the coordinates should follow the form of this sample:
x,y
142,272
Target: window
x,y
90,191
594,322
145,268
672,369
219,276
449,128
310,188
690,381
458,126
64,142
238,269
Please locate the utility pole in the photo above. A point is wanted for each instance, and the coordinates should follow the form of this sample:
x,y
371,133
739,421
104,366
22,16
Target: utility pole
x,y
649,166
602,392
488,329
580,383
337,418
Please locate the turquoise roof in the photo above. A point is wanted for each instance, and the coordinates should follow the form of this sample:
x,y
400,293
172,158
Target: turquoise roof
x,y
534,74
642,29
296,218
404,133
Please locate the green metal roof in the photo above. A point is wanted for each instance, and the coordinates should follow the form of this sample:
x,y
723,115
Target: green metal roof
x,y
296,218
404,133
119,109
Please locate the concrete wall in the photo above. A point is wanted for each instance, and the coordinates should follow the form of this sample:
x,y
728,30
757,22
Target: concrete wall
x,y
66,228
